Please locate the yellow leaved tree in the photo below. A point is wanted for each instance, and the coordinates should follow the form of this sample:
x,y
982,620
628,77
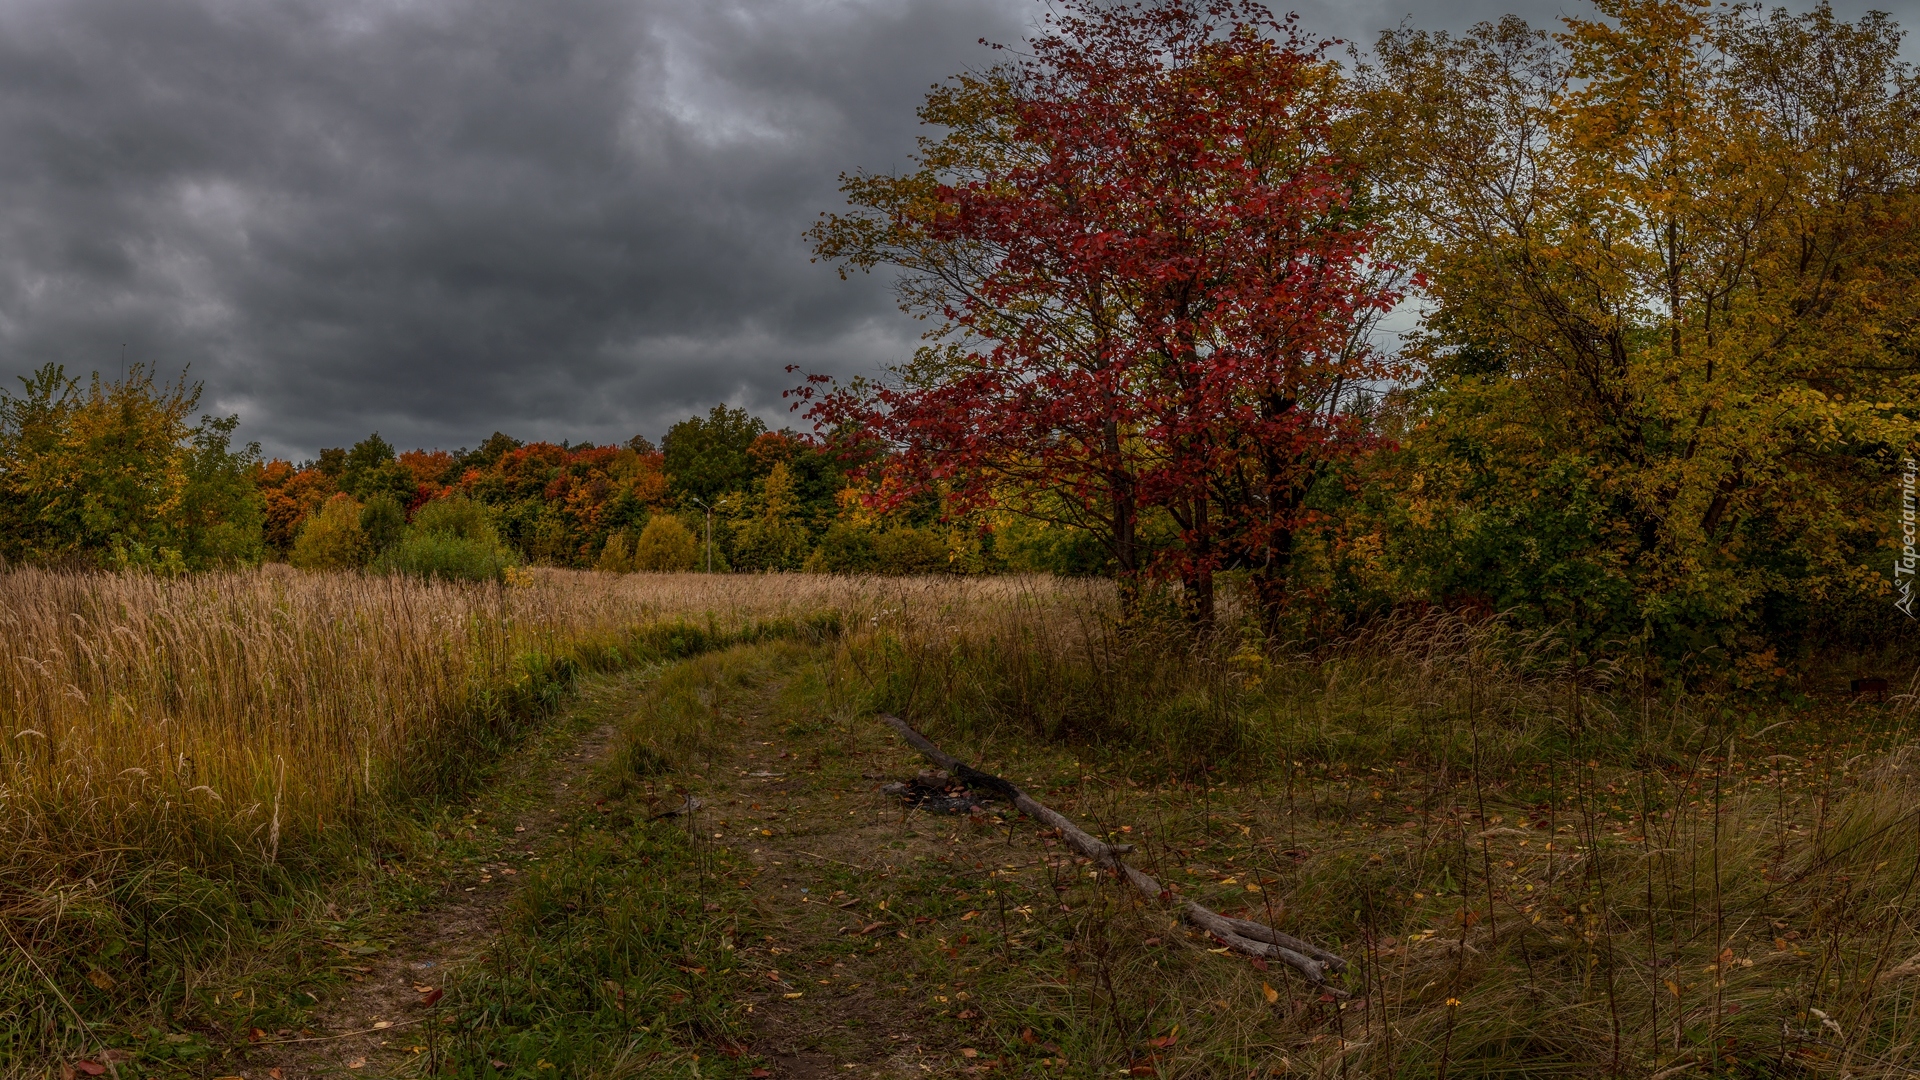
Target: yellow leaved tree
x,y
1669,261
118,474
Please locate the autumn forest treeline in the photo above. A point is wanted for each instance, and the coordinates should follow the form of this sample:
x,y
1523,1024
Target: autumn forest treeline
x,y
115,475
1608,327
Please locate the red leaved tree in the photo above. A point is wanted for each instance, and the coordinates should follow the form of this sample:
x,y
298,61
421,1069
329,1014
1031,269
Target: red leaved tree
x,y
1141,248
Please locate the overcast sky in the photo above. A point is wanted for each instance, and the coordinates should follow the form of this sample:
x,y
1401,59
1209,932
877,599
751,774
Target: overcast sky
x,y
570,219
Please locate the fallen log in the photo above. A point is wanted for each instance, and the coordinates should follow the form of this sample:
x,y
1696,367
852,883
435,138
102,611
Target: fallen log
x,y
1251,938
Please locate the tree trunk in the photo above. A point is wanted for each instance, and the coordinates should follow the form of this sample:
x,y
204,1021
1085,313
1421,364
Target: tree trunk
x,y
1270,582
1197,579
1126,554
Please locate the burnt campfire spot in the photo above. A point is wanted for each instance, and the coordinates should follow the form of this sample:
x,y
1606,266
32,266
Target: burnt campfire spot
x,y
936,792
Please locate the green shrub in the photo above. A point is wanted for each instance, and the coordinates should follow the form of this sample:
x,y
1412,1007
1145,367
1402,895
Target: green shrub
x,y
442,555
845,549
450,538
456,516
904,549
616,556
383,520
333,538
665,544
770,534
762,544
1023,546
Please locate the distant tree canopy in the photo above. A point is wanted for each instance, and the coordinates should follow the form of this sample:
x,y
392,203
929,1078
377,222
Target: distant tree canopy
x,y
708,458
773,496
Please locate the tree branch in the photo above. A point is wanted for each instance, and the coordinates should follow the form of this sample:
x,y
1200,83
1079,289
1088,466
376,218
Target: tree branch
x,y
1251,938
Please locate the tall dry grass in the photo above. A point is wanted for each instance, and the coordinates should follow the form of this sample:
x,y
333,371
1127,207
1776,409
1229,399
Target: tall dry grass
x,y
233,715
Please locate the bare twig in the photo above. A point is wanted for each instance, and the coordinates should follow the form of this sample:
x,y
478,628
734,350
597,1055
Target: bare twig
x,y
1240,935
395,1026
690,805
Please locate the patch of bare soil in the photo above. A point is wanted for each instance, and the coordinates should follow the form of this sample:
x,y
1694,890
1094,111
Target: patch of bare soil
x,y
378,1025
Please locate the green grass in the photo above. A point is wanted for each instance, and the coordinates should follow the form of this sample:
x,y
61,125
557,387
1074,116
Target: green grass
x,y
619,954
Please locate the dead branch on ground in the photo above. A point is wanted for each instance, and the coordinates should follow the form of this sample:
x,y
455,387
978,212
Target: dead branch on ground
x,y
1240,935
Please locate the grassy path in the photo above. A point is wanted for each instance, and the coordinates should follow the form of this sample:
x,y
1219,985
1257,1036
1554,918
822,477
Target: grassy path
x,y
805,924
381,1018
801,923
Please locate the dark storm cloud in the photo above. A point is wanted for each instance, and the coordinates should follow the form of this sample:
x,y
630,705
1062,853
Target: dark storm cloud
x,y
571,219
567,219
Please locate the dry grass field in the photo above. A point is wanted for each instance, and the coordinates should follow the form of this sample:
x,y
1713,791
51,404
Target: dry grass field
x,y
234,716
1535,865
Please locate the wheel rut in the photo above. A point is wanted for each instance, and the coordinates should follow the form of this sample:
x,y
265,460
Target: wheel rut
x,y
377,1024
